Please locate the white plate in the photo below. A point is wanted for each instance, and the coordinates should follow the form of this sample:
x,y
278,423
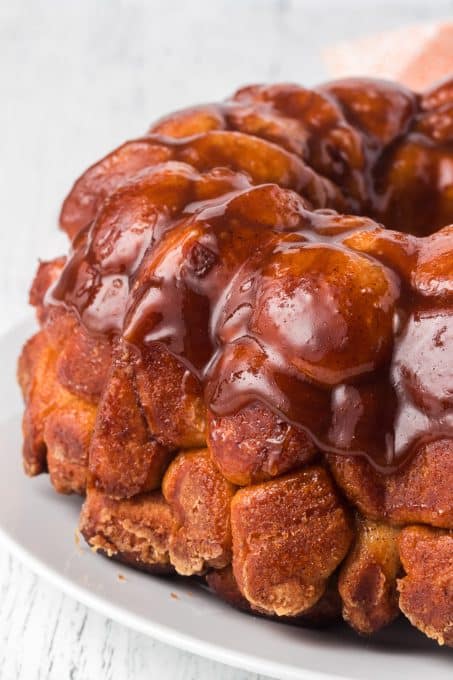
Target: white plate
x,y
39,527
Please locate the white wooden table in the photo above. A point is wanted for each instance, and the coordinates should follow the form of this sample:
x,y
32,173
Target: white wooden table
x,y
77,78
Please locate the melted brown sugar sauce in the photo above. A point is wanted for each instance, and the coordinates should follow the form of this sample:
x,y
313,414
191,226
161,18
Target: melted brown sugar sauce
x,y
222,235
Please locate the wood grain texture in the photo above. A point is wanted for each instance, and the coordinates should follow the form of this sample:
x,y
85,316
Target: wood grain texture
x,y
45,635
76,79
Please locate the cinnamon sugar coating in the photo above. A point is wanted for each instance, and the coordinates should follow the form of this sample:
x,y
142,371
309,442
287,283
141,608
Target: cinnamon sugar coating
x,y
245,360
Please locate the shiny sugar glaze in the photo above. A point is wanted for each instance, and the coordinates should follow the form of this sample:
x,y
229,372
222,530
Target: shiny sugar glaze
x,y
219,236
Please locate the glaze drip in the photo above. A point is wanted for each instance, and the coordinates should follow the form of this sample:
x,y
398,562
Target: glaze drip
x,y
229,247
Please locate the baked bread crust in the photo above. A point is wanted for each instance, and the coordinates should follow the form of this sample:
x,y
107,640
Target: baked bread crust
x,y
258,297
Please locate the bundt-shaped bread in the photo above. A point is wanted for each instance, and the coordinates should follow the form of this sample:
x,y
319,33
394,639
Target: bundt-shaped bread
x,y
245,362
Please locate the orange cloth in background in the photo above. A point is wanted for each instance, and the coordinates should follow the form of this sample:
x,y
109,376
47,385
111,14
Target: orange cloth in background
x,y
416,56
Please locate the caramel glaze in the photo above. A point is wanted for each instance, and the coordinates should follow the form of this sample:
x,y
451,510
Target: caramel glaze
x,y
218,235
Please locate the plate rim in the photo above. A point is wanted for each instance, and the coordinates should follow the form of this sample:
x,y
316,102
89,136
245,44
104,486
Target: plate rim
x,y
159,631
